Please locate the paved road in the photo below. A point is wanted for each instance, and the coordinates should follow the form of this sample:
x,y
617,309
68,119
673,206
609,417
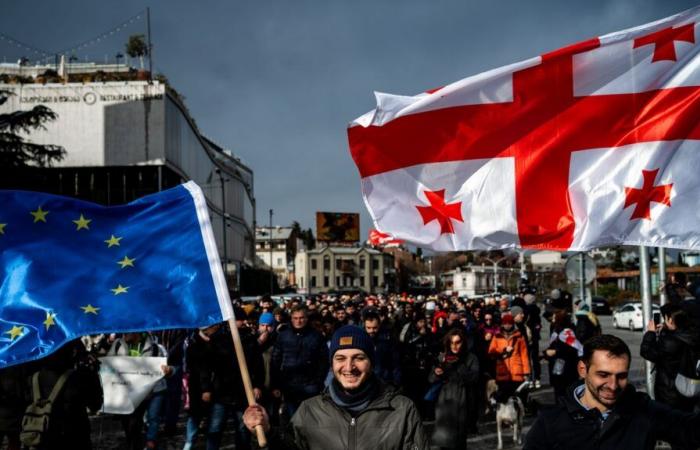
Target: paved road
x,y
487,428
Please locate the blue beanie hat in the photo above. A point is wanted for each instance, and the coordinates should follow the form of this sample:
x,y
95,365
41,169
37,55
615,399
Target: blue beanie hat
x,y
266,318
351,336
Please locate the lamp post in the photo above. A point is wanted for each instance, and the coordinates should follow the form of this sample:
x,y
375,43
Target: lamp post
x,y
272,270
495,271
223,219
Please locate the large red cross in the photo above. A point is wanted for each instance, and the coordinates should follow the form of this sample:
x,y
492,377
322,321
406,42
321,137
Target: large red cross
x,y
541,128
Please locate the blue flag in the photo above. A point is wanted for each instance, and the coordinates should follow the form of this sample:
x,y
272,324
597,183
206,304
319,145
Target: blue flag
x,y
70,268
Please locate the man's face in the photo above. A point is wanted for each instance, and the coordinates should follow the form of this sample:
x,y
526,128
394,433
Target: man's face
x,y
452,318
263,328
519,318
298,320
372,327
606,377
340,315
351,367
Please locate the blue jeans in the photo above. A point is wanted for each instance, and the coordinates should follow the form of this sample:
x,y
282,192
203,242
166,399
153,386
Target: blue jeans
x,y
154,415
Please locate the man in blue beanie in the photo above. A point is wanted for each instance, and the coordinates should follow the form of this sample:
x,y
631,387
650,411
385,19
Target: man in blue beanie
x,y
356,410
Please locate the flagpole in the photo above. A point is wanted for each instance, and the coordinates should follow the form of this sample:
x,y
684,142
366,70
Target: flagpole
x,y
645,285
245,376
662,276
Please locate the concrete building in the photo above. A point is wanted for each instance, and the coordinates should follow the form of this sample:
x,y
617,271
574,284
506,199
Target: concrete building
x,y
126,139
547,261
475,280
338,269
277,248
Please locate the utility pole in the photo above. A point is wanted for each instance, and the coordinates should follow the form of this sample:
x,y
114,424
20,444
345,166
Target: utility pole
x,y
223,219
645,285
662,276
495,271
272,270
150,46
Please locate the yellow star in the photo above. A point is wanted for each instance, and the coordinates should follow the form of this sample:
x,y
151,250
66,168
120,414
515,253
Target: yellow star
x,y
49,320
39,215
2,228
15,332
89,309
111,242
120,290
82,223
126,262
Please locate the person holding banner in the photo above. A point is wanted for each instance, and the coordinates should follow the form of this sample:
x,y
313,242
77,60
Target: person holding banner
x,y
356,410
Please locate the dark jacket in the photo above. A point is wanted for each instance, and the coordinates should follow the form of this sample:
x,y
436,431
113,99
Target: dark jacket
x,y
387,359
13,398
637,422
665,351
390,422
456,400
299,363
219,372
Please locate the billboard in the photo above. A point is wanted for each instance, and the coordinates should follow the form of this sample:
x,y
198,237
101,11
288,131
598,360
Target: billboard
x,y
337,227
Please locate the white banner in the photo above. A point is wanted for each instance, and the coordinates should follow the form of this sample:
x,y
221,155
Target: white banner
x,y
127,381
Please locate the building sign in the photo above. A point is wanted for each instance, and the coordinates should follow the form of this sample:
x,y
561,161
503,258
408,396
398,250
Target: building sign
x,y
89,98
337,227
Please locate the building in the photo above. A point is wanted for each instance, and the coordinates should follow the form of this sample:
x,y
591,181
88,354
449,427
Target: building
x,y
547,261
350,269
128,138
277,248
473,280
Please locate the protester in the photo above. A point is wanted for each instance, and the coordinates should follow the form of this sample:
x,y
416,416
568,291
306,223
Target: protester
x,y
456,374
564,348
356,410
606,412
13,402
387,364
509,349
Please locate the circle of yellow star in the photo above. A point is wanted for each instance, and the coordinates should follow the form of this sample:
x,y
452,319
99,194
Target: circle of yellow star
x,y
49,320
126,262
2,228
112,241
89,309
120,289
15,332
82,223
39,215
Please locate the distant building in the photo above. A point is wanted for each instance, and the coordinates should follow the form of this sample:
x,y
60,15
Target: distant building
x,y
348,269
129,138
277,248
546,261
690,258
473,280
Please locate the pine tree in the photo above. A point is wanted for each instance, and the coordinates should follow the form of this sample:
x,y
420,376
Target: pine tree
x,y
17,151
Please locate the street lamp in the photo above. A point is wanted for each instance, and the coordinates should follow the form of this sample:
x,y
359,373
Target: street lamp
x,y
223,218
495,271
272,270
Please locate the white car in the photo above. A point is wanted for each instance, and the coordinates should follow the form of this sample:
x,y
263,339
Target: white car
x,y
630,316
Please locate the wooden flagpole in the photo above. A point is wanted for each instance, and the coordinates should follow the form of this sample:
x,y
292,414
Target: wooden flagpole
x,y
245,376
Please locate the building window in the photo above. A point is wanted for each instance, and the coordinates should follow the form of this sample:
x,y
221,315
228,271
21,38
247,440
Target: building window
x,y
375,263
326,263
301,282
313,263
337,281
325,281
362,262
338,263
313,281
375,281
362,281
279,262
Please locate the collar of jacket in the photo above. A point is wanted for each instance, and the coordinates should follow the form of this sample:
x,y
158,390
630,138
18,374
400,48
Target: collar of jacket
x,y
624,408
382,401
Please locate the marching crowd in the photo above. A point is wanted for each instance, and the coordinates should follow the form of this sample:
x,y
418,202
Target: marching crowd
x,y
352,372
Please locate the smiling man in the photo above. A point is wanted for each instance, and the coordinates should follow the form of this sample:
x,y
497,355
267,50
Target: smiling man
x,y
356,411
605,411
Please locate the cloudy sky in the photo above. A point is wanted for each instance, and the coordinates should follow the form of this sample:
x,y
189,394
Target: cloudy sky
x,y
278,81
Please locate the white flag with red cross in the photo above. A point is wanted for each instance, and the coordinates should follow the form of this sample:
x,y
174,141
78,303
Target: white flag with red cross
x,y
591,145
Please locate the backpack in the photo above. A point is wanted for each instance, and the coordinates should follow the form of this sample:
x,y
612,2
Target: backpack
x,y
35,422
688,378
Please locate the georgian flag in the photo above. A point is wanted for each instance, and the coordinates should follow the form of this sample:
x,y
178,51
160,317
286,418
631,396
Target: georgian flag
x,y
594,144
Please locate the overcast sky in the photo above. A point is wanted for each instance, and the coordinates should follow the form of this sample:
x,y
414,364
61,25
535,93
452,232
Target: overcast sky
x,y
278,81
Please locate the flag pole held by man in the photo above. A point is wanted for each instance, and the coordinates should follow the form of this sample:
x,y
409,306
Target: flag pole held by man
x,y
590,145
72,268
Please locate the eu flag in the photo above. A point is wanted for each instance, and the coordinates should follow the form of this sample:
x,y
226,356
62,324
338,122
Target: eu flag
x,y
70,268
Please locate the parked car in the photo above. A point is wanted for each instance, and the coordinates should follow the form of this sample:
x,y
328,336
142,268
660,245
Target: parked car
x,y
601,306
630,316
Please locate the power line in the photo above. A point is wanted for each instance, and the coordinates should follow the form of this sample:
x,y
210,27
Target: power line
x,y
22,45
103,35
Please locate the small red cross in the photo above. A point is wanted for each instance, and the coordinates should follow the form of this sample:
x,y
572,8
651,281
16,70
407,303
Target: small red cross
x,y
438,210
663,41
647,194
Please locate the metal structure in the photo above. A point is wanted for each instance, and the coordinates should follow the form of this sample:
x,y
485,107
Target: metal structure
x,y
645,285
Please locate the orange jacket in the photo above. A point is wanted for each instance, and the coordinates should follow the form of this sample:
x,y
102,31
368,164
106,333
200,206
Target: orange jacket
x,y
515,366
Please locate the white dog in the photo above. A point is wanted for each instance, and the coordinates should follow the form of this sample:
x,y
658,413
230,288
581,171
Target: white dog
x,y
510,413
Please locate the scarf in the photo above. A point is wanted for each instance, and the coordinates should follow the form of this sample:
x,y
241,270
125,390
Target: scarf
x,y
357,400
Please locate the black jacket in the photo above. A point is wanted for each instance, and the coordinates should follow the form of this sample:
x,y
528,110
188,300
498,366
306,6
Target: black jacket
x,y
390,422
665,351
637,422
387,361
299,363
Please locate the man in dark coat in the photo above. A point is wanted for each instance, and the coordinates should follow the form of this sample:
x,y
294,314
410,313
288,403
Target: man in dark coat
x,y
564,347
387,355
297,371
606,413
356,411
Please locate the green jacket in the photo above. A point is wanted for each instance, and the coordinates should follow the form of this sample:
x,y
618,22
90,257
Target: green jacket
x,y
390,422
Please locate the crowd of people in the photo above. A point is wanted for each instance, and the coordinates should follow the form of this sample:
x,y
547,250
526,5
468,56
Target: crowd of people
x,y
383,364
